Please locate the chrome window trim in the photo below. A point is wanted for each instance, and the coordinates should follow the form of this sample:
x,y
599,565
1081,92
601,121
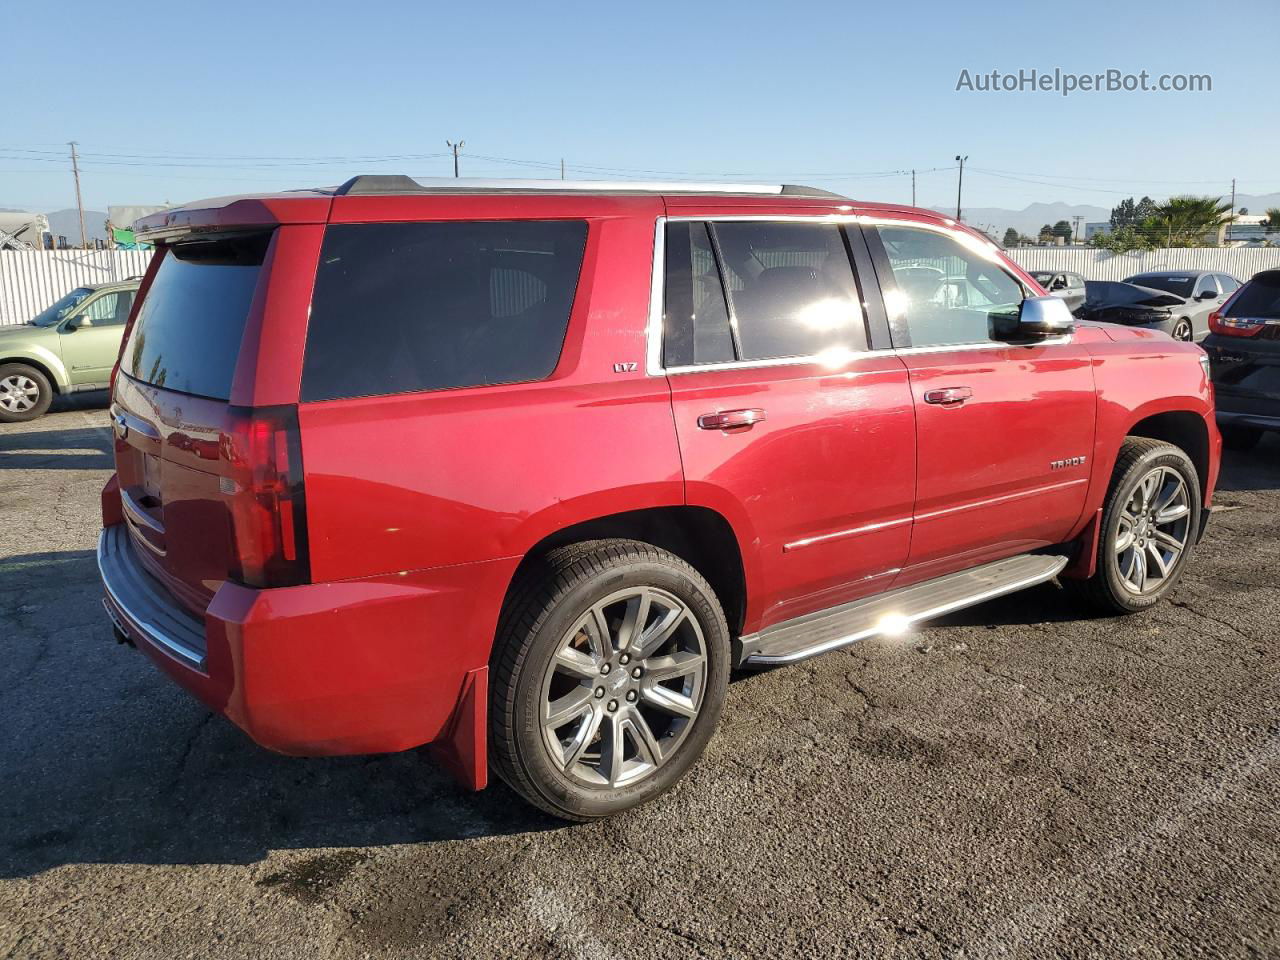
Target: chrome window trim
x,y
657,292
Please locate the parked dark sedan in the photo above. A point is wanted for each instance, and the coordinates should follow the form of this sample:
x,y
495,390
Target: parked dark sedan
x,y
1111,301
1201,293
1244,358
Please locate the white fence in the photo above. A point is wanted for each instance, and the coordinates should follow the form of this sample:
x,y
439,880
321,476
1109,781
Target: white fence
x,y
30,280
1240,262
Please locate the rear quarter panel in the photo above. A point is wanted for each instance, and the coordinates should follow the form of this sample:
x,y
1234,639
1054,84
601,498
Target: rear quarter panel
x,y
421,480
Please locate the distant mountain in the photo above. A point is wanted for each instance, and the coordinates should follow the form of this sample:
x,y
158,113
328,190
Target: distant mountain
x,y
1030,219
66,223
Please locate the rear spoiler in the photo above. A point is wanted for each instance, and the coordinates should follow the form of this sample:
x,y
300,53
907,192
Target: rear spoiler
x,y
233,213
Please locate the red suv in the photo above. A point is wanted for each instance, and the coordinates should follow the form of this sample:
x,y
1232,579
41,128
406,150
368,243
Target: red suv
x,y
523,470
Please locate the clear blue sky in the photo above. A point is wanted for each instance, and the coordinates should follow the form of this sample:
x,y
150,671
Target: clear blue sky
x,y
800,92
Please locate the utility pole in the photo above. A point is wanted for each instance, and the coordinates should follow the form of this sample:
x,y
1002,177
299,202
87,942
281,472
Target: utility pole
x,y
562,168
960,183
1233,209
1077,218
75,170
455,147
913,188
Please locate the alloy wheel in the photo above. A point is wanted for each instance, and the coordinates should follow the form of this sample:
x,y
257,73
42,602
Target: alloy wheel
x,y
1154,528
624,687
18,393
1182,331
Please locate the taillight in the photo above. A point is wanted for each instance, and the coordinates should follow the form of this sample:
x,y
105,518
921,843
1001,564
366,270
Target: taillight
x,y
1235,326
263,452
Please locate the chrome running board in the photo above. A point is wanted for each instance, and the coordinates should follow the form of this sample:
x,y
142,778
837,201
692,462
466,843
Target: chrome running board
x,y
824,630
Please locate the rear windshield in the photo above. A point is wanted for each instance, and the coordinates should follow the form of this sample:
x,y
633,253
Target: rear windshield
x,y
1178,286
187,335
1260,297
402,307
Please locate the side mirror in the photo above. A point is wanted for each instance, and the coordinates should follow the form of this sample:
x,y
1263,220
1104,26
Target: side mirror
x,y
1059,285
1041,317
75,323
1206,295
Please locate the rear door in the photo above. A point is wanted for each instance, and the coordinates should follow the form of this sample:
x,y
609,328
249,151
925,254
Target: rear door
x,y
1003,430
790,424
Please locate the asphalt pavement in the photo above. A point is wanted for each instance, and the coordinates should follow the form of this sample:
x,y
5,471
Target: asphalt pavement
x,y
1017,780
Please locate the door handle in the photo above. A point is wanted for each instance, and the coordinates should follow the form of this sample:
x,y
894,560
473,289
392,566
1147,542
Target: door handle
x,y
728,419
948,396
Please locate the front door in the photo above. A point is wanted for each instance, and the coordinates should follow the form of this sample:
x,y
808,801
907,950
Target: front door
x,y
90,339
789,426
1004,431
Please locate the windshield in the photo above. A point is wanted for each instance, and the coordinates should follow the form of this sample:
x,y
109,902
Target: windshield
x,y
50,316
1178,286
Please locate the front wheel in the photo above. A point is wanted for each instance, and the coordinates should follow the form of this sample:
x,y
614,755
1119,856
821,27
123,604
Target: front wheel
x,y
25,393
1149,525
609,675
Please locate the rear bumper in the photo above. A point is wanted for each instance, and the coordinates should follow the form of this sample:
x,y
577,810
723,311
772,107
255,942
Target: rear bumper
x,y
1246,411
367,666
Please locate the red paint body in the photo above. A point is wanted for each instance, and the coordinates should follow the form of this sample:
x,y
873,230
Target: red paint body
x,y
421,506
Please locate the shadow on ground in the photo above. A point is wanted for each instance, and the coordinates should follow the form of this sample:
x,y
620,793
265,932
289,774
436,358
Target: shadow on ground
x,y
106,761
1256,469
78,448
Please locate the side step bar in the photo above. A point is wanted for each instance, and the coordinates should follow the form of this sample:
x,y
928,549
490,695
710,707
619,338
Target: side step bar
x,y
824,630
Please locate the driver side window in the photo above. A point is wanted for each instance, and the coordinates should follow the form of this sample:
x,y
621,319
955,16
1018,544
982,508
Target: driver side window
x,y
944,291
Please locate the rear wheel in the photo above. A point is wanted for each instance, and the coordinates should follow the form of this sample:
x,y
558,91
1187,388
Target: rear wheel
x,y
1182,330
25,393
609,677
1240,438
1149,524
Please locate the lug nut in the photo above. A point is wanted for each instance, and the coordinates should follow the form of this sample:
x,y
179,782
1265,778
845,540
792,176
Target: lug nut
x,y
606,668
599,692
636,672
631,696
613,705
624,659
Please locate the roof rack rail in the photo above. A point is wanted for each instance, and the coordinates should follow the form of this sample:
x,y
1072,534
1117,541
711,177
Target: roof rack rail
x,y
370,185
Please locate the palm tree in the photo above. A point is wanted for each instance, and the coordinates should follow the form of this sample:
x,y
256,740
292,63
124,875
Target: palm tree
x,y
1187,221
1272,223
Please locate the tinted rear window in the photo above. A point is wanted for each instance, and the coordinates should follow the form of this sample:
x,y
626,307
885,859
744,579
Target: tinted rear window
x,y
401,307
187,335
1259,298
1178,286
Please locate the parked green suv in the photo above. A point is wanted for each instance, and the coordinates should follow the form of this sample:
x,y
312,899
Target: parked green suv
x,y
69,347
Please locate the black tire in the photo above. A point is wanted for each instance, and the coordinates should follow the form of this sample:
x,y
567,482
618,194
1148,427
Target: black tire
x,y
1107,590
21,373
559,590
1182,330
1240,438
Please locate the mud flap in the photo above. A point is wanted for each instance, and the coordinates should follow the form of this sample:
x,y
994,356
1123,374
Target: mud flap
x,y
1085,562
463,750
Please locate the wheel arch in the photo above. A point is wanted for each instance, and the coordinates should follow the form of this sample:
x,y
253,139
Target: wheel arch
x,y
700,536
53,372
1185,430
